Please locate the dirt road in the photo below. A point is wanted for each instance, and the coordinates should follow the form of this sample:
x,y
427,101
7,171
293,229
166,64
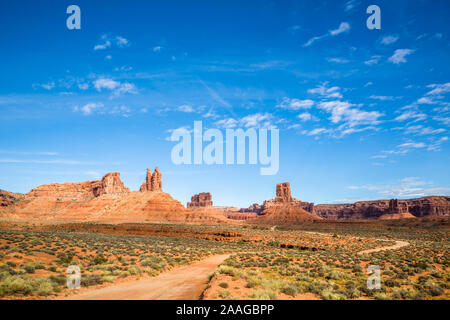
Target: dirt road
x,y
183,283
398,244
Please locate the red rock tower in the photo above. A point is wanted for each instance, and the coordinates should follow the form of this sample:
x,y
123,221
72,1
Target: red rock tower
x,y
156,180
152,181
283,192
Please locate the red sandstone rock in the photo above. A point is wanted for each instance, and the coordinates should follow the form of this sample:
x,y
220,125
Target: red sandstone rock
x,y
8,198
284,209
110,184
436,206
200,200
152,182
283,192
156,180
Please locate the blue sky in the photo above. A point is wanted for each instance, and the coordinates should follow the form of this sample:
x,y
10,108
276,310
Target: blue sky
x,y
362,114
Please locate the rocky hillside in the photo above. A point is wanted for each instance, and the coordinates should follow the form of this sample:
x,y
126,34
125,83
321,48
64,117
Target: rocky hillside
x,y
436,206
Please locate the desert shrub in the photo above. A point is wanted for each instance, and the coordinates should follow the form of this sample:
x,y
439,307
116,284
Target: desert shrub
x,y
91,279
223,285
154,262
224,294
434,289
29,268
289,289
381,296
334,275
60,280
45,288
391,283
274,243
16,285
264,295
99,259
330,295
134,270
253,281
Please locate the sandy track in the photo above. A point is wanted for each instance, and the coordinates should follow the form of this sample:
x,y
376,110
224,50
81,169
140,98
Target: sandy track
x,y
183,283
398,244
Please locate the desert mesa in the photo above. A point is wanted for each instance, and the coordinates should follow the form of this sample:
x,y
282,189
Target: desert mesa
x,y
109,200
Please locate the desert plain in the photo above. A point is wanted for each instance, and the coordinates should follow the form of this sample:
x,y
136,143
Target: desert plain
x,y
146,245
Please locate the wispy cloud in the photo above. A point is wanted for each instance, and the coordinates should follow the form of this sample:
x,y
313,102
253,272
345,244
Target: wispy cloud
x,y
390,39
343,27
295,104
405,188
107,41
400,55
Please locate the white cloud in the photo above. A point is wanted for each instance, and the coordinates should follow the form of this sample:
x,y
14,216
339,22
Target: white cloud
x,y
420,130
400,55
411,115
425,100
324,91
350,5
439,89
103,46
315,132
107,42
295,104
257,120
338,60
157,49
227,123
83,86
405,188
412,145
389,39
343,27
373,60
436,145
89,108
382,98
115,86
305,116
125,88
121,42
104,83
346,112
185,108
121,110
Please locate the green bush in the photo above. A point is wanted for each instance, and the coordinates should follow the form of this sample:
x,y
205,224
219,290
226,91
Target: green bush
x,y
223,285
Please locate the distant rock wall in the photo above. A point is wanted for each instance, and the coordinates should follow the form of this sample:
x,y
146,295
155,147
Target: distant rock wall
x,y
436,206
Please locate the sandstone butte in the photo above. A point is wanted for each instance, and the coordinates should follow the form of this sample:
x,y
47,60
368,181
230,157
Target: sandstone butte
x,y
105,200
108,200
285,207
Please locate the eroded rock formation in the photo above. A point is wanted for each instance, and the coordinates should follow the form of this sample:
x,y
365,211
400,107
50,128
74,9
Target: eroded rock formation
x,y
110,184
283,196
281,210
8,198
283,192
152,181
436,206
200,200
